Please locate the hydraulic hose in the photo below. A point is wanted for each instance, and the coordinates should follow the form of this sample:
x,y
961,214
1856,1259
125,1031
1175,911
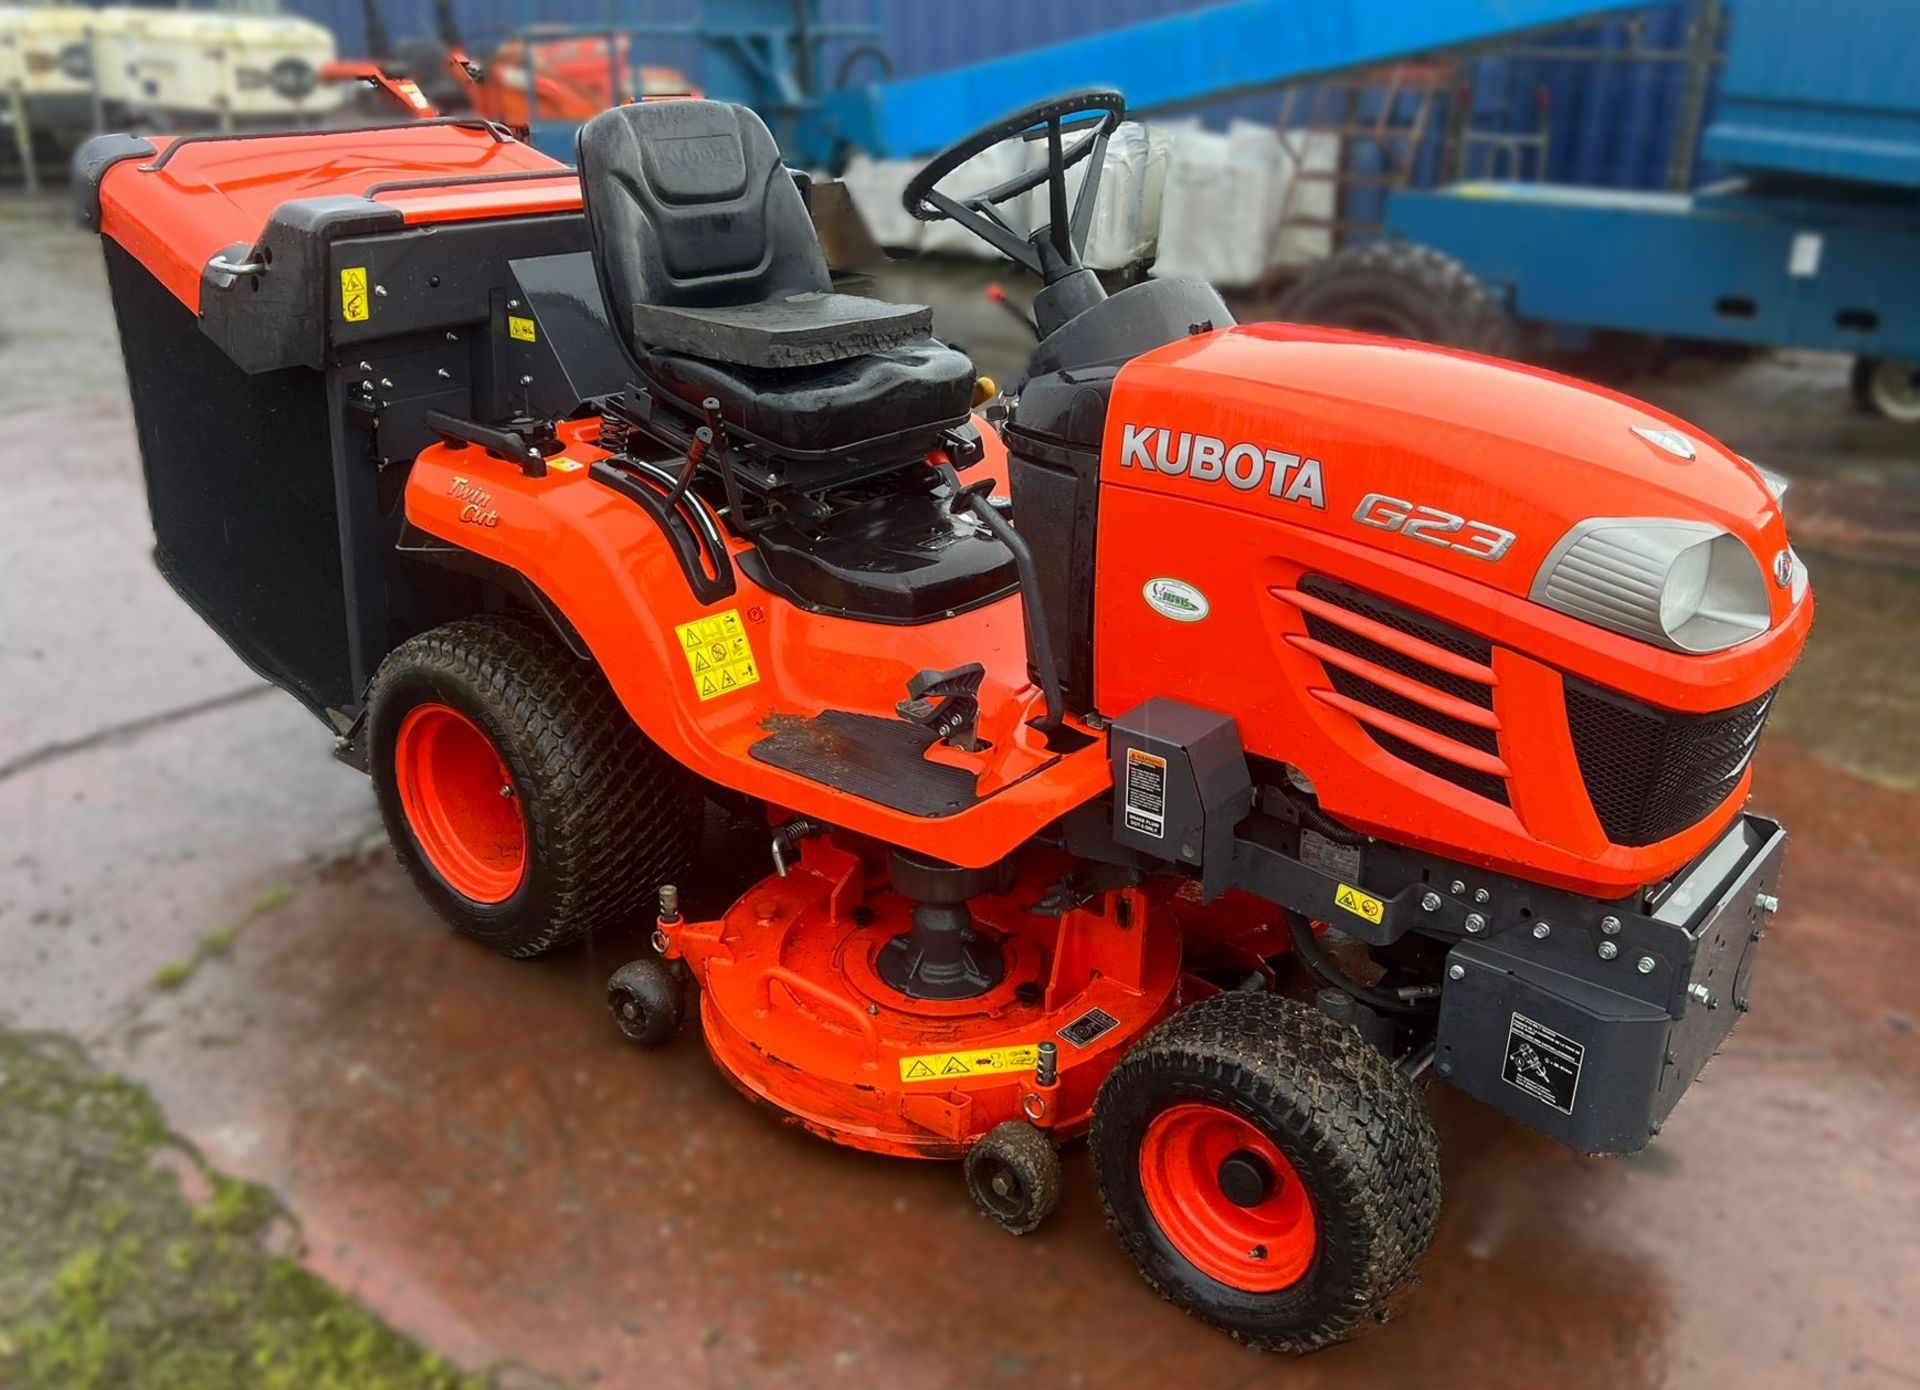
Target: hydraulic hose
x,y
1315,958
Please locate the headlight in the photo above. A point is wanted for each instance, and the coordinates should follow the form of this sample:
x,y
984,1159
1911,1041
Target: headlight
x,y
1680,584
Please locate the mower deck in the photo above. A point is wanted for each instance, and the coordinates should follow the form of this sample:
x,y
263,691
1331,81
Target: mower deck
x,y
796,1013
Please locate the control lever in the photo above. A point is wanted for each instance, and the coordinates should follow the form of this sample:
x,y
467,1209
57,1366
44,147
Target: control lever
x,y
521,444
998,296
947,702
974,499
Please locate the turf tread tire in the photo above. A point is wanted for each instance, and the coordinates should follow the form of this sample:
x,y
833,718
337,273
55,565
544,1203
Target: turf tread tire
x,y
1449,303
610,817
1346,1118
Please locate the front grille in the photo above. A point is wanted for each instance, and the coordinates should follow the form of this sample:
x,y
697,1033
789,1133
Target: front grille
x,y
1371,693
1652,772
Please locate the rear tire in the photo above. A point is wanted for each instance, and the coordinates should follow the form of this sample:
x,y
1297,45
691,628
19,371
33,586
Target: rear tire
x,y
603,816
1401,290
1269,1171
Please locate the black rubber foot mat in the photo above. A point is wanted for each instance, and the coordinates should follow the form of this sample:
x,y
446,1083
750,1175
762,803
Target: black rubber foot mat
x,y
869,757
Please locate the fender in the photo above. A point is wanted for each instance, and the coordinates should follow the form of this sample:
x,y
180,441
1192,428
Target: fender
x,y
605,567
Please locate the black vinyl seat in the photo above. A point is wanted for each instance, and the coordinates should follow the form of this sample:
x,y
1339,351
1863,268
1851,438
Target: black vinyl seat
x,y
715,282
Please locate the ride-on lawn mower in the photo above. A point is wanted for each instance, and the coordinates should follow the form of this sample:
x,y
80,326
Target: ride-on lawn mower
x,y
1229,725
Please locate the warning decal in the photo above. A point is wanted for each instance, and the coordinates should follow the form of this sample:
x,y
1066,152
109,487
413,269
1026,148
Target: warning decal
x,y
520,328
718,654
947,1066
1144,798
1093,1024
353,294
1358,903
1543,1063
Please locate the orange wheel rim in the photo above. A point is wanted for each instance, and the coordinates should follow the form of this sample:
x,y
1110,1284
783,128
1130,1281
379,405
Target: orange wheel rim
x,y
460,803
1227,1198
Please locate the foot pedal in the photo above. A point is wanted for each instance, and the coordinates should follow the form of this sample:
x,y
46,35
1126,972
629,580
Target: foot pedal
x,y
948,703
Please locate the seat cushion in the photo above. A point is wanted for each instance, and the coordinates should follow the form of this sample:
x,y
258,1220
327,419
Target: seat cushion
x,y
922,388
796,330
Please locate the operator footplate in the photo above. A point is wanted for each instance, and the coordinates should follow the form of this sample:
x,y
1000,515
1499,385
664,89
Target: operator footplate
x,y
876,759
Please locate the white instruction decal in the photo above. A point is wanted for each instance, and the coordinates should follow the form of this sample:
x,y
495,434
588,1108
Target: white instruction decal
x,y
1144,798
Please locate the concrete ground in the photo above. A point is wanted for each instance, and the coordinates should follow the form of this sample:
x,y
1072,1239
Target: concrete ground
x,y
197,894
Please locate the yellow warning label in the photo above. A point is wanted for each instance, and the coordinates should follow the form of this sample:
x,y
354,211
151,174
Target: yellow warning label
x,y
520,328
353,294
1359,904
560,463
718,654
947,1066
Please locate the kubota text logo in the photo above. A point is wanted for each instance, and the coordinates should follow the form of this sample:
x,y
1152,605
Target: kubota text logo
x,y
1205,459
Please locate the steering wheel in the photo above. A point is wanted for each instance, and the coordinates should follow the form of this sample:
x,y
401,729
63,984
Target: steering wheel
x,y
1052,251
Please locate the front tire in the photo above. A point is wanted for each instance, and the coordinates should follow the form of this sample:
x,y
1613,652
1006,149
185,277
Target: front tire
x,y
1269,1171
519,795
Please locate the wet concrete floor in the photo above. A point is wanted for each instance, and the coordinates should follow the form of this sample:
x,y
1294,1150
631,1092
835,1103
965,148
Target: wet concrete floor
x,y
474,1153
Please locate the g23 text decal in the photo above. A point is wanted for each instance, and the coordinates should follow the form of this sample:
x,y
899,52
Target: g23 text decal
x,y
1480,539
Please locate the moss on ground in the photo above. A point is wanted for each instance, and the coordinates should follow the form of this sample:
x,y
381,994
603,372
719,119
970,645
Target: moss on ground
x,y
111,1277
176,973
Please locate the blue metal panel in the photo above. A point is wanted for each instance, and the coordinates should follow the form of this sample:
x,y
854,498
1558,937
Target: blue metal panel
x,y
1785,271
1182,59
1612,122
1826,90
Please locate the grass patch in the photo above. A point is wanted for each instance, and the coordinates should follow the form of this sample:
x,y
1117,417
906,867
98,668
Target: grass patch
x,y
110,1277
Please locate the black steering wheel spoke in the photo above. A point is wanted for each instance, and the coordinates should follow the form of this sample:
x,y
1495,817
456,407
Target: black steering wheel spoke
x,y
1068,223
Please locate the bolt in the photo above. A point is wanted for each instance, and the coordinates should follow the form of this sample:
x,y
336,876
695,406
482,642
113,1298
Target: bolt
x,y
669,903
1443,1068
1458,886
1429,902
444,374
1610,926
506,789
874,1009
1541,931
1703,994
1476,923
380,290
386,383
513,304
1608,950
1766,902
1644,965
1480,895
1456,972
1259,1252
1672,1057
366,366
1046,1069
452,337
1742,1003
526,381
1653,1128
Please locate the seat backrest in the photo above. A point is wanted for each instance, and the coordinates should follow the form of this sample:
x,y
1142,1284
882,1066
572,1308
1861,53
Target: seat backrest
x,y
688,203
